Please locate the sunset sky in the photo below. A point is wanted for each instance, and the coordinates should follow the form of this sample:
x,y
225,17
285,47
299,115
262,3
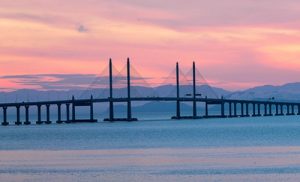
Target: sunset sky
x,y
236,44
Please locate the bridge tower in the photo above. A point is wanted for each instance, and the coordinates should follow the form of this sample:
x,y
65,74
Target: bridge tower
x,y
194,95
129,114
194,92
178,113
111,103
111,117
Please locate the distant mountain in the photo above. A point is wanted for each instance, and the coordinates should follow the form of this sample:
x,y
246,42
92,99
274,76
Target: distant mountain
x,y
159,107
154,107
204,90
286,92
136,91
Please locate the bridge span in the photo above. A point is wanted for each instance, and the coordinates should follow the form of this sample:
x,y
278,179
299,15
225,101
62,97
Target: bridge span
x,y
227,107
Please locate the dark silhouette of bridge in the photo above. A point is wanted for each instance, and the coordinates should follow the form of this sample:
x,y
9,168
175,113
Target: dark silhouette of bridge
x,y
228,107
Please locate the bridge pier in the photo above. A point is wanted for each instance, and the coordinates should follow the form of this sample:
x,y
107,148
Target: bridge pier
x,y
4,123
293,109
59,121
39,120
270,110
92,109
68,113
281,110
73,109
206,110
18,122
111,110
27,122
265,110
234,110
277,110
242,109
258,108
222,109
298,106
247,110
254,110
230,109
48,114
288,109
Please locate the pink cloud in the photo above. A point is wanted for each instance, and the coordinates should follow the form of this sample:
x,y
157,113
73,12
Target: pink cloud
x,y
235,43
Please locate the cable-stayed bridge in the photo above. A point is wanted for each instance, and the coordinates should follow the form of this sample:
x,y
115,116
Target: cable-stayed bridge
x,y
185,91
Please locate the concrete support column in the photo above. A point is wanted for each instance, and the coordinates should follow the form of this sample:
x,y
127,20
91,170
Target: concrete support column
x,y
288,112
234,109
206,109
68,113
293,109
298,106
242,109
281,109
230,109
222,110
247,109
73,109
92,109
265,109
18,122
48,114
254,110
258,109
39,120
268,109
4,123
27,122
59,121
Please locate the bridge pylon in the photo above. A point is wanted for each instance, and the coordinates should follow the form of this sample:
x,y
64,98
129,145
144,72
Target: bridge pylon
x,y
194,94
111,117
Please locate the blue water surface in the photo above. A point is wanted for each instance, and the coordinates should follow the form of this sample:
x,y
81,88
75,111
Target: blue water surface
x,y
263,131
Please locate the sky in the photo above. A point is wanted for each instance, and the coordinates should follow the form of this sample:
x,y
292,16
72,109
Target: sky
x,y
236,44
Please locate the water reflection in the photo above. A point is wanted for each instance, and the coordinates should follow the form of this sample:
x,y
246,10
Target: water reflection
x,y
248,149
164,164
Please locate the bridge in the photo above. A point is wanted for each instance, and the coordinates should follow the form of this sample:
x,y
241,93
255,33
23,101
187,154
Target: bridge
x,y
227,107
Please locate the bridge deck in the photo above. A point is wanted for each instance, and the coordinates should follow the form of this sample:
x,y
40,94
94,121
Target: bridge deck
x,y
140,99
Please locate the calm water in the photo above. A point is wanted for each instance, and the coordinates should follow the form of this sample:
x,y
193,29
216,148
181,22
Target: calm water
x,y
247,149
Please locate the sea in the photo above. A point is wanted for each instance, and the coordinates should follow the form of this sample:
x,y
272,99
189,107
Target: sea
x,y
152,149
